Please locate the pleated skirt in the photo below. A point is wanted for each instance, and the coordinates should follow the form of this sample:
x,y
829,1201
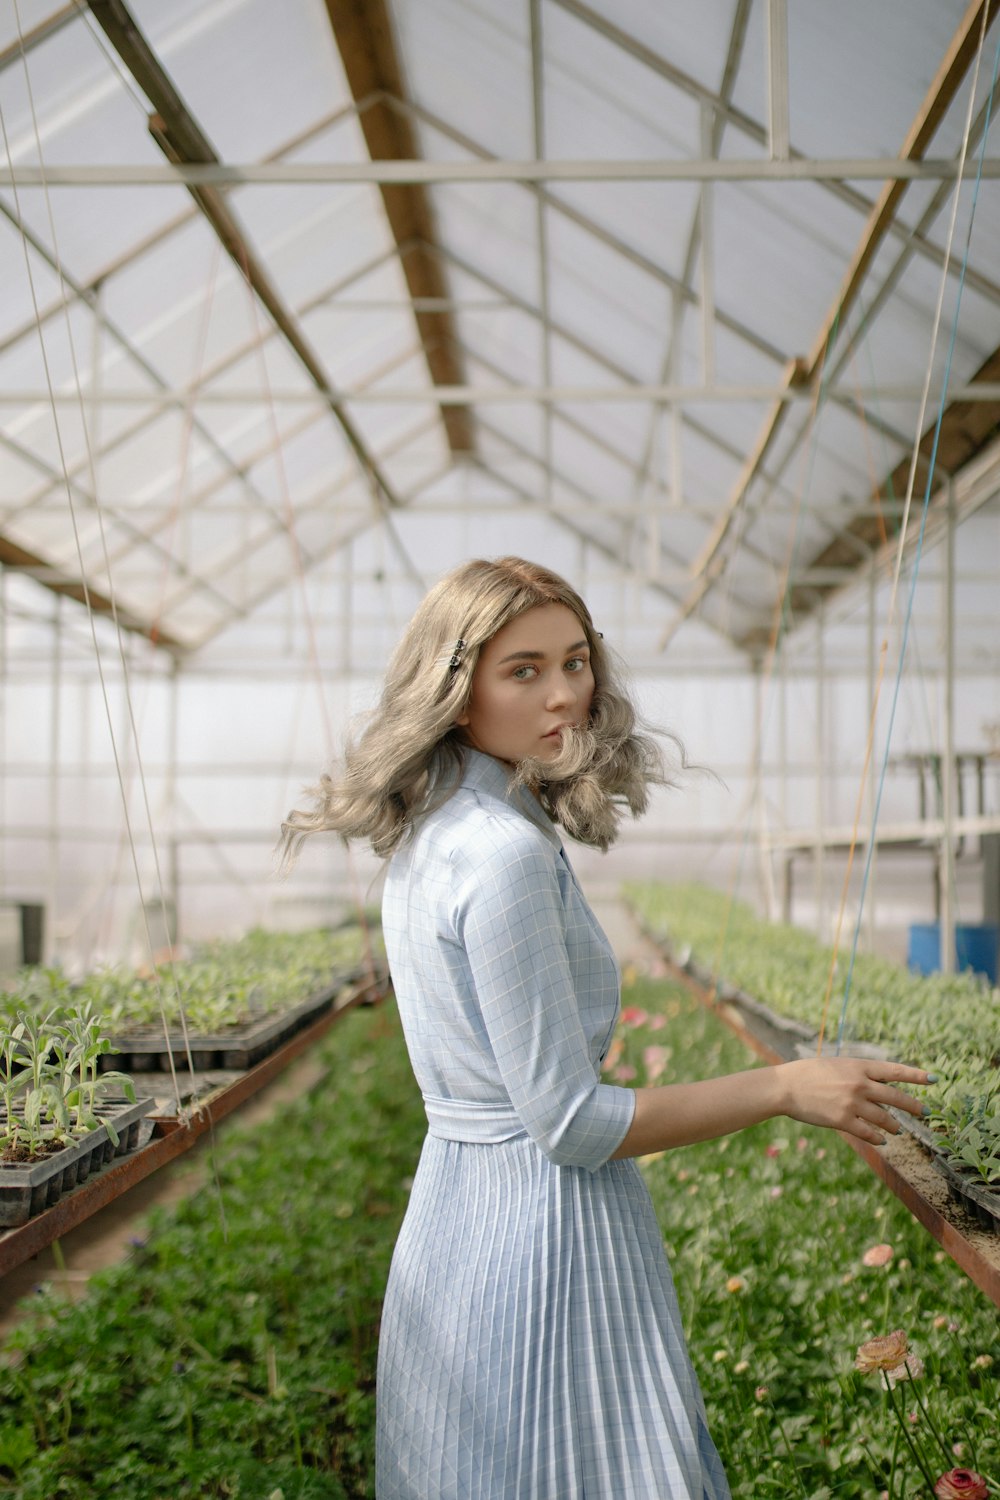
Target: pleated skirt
x,y
531,1345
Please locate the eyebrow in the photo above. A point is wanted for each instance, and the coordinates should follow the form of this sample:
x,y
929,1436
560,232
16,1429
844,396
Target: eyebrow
x,y
539,655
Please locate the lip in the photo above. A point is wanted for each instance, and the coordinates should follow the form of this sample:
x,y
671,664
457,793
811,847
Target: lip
x,y
558,730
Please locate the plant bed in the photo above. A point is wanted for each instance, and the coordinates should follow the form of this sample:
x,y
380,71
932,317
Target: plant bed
x,y
27,1188
978,1200
145,1049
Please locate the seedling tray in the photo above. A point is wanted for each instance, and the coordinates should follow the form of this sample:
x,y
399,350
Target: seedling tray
x,y
26,1188
974,1196
145,1049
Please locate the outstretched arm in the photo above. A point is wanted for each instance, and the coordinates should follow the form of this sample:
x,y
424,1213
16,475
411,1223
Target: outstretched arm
x,y
845,1093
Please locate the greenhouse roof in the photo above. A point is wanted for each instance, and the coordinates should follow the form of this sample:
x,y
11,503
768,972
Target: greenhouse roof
x,y
669,289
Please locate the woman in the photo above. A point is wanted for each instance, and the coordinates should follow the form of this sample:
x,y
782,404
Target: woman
x,y
531,1347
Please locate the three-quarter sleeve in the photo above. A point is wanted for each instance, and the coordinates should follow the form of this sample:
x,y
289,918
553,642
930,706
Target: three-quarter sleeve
x,y
508,916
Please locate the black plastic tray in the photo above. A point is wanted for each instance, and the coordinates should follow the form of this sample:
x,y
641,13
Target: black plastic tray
x,y
28,1188
975,1197
145,1049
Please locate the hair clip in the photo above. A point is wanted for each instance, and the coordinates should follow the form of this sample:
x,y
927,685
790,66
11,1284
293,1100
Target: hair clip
x,y
456,655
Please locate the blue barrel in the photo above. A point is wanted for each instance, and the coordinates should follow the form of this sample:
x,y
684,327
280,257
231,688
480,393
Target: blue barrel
x,y
976,947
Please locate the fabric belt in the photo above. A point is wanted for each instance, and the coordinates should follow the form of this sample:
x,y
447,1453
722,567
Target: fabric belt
x,y
468,1120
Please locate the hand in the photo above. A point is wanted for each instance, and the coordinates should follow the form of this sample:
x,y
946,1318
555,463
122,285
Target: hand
x,y
852,1094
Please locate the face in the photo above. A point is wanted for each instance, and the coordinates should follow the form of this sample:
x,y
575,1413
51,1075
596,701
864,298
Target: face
x,y
531,679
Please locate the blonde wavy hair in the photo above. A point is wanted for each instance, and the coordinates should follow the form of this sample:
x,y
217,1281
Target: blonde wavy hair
x,y
410,755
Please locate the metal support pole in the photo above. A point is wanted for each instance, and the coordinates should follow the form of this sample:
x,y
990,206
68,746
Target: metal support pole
x,y
760,806
4,754
777,79
707,256
173,806
872,780
538,104
948,758
52,879
820,862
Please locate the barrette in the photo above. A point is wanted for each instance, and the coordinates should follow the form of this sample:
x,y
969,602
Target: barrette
x,y
456,655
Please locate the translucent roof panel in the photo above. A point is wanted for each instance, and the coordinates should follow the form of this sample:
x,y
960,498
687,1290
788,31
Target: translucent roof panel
x,y
599,287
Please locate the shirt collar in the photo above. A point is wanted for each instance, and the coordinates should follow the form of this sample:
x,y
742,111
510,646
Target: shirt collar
x,y
486,774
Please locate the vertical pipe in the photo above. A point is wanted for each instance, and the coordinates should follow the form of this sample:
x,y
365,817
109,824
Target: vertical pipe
x,y
172,805
707,252
760,806
52,879
538,116
871,789
4,748
786,883
777,79
948,758
820,861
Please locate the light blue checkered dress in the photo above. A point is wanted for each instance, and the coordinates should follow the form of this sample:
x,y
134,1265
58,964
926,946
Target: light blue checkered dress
x,y
531,1344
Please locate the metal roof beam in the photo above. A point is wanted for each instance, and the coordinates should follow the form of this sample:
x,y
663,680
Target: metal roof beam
x,y
58,581
364,35
710,564
182,141
726,113
217,174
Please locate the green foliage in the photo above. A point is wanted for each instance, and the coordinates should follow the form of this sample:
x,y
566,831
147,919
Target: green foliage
x,y
766,1231
234,1353
947,1023
223,984
50,1086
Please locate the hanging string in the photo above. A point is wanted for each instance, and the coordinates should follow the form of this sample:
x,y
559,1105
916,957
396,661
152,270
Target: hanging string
x,y
116,623
927,489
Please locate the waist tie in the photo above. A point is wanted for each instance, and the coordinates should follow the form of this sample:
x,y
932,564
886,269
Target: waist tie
x,y
470,1120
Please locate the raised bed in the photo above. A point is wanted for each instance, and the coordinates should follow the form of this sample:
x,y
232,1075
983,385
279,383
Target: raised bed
x,y
976,1199
911,1164
28,1188
172,1136
146,1049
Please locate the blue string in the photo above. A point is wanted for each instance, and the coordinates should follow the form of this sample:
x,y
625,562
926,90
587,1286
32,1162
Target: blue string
x,y
917,554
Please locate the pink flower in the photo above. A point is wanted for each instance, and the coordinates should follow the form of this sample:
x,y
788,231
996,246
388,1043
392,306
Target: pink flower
x,y
772,1150
633,1016
654,1060
877,1255
961,1484
624,1073
776,1192
657,1023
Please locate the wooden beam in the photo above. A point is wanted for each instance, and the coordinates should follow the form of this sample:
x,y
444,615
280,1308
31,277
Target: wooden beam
x,y
181,139
966,428
710,563
20,560
364,36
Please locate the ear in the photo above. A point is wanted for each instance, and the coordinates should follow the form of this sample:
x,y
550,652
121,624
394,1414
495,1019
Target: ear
x,y
462,720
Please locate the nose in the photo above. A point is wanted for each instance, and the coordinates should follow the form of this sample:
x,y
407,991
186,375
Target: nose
x,y
562,692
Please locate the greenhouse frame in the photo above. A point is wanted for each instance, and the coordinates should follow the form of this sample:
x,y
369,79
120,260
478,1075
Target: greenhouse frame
x,y
695,303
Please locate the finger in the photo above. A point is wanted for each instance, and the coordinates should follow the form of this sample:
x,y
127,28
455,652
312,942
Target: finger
x,y
864,1131
901,1073
899,1099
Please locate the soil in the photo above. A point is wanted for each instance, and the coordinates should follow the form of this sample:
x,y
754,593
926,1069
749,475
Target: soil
x,y
22,1156
911,1162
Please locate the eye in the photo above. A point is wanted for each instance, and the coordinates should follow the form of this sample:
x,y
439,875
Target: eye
x,y
520,674
577,663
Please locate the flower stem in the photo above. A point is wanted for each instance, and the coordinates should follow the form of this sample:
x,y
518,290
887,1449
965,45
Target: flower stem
x,y
901,1419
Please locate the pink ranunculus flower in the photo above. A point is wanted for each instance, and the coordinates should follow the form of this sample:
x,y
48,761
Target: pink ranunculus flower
x,y
877,1255
633,1016
961,1484
654,1060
